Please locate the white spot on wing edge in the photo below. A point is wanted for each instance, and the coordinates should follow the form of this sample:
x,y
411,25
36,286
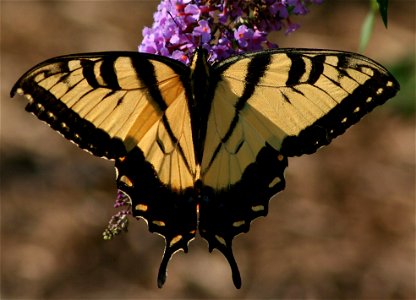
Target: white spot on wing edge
x,y
159,223
239,223
175,240
141,207
221,240
126,180
275,181
257,208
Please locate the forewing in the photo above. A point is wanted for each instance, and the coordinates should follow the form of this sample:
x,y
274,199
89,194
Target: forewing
x,y
109,103
293,99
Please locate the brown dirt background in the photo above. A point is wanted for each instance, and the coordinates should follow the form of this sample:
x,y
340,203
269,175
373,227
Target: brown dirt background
x,y
343,228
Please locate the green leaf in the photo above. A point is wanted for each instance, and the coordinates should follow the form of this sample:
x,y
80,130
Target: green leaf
x,y
382,5
366,30
368,24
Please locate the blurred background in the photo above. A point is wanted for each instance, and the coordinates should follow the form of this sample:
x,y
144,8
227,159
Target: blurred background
x,y
342,229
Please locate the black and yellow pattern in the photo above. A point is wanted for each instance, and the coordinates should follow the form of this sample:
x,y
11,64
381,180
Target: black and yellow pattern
x,y
204,147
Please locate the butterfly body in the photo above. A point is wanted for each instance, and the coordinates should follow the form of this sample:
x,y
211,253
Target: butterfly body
x,y
203,148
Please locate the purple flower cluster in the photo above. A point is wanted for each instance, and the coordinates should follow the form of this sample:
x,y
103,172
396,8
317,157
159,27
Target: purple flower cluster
x,y
223,27
119,222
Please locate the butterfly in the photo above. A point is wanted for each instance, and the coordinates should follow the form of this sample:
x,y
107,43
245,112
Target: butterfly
x,y
203,147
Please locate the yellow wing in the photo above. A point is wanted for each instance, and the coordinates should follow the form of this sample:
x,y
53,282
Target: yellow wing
x,y
110,103
292,99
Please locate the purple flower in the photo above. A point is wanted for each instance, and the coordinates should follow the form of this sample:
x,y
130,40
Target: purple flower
x,y
119,222
181,56
279,9
121,200
223,27
258,38
192,13
291,28
243,35
203,30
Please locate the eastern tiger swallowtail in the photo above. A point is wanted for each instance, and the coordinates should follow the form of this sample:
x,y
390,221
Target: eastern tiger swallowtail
x,y
203,147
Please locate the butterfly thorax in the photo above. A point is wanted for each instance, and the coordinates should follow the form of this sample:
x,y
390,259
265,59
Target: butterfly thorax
x,y
202,86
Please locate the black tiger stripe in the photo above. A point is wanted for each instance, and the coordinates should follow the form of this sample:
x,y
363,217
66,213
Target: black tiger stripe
x,y
297,69
317,68
88,72
145,71
108,73
255,71
342,65
63,67
343,62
